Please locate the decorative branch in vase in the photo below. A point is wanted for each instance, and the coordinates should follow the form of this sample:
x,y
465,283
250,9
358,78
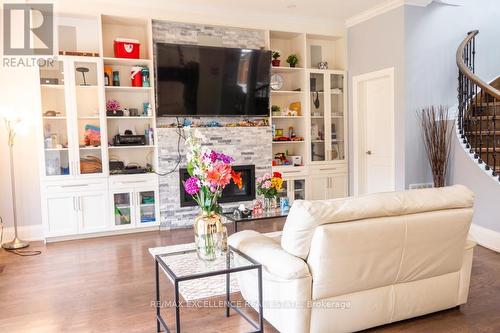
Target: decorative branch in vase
x,y
210,172
437,130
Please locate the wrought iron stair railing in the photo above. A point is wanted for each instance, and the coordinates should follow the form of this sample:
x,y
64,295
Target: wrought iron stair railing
x,y
479,108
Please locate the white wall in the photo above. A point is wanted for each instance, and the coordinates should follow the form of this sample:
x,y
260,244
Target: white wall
x,y
19,87
17,92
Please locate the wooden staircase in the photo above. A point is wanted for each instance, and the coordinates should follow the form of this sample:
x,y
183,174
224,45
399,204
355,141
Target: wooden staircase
x,y
479,109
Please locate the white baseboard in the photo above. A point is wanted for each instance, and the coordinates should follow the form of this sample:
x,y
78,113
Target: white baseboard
x,y
28,233
485,237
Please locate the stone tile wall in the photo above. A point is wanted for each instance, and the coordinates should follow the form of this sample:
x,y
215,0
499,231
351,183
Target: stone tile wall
x,y
248,145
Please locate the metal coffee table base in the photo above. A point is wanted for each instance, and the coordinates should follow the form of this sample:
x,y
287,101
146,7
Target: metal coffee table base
x,y
160,322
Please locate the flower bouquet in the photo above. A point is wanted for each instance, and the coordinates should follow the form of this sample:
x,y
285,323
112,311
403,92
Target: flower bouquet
x,y
269,186
210,172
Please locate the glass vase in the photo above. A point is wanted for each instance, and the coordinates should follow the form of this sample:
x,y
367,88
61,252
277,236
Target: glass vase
x,y
210,236
270,205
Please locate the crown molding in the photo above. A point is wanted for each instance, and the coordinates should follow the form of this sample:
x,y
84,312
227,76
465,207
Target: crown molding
x,y
383,8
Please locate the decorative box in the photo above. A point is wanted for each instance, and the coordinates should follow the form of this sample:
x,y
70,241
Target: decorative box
x,y
127,48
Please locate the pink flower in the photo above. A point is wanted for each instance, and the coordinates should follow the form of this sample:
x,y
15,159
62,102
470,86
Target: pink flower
x,y
192,185
112,105
267,184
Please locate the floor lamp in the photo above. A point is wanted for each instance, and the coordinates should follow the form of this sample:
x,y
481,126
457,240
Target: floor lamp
x,y
11,123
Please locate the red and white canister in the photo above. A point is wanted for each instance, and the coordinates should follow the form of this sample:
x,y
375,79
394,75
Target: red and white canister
x,y
136,76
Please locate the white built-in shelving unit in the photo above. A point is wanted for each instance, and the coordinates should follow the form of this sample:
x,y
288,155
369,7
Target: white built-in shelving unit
x,y
323,171
78,201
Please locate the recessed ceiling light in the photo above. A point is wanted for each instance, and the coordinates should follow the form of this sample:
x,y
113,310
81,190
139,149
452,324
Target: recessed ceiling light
x,y
291,6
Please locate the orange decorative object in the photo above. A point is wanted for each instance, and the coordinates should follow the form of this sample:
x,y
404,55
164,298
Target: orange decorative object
x,y
295,106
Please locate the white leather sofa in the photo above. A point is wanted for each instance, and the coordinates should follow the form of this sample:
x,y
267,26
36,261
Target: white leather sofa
x,y
349,264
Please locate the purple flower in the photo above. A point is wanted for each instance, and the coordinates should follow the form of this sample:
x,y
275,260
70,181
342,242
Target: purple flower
x,y
192,185
226,159
214,156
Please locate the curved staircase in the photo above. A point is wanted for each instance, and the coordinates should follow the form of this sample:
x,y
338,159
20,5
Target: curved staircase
x,y
479,109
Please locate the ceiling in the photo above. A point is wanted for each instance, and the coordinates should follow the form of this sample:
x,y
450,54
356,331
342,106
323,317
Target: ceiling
x,y
338,10
332,10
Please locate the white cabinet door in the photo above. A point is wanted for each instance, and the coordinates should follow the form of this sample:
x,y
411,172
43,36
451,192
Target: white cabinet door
x,y
318,187
62,215
329,186
337,186
146,207
92,207
122,209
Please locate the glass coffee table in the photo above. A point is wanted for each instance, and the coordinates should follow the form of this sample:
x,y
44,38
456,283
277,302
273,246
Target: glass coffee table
x,y
185,266
275,214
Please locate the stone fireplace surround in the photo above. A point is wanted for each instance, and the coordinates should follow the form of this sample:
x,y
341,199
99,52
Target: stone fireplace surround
x,y
247,145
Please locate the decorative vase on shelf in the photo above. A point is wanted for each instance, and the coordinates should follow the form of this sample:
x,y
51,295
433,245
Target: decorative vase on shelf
x,y
210,236
275,62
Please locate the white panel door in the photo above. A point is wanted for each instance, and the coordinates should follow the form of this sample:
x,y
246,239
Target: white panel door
x,y
374,132
92,207
62,215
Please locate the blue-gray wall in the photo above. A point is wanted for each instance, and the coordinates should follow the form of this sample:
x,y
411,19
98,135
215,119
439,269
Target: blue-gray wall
x,y
432,35
371,46
420,43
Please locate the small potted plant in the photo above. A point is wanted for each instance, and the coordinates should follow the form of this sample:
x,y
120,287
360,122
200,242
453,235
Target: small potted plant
x,y
292,60
276,61
275,110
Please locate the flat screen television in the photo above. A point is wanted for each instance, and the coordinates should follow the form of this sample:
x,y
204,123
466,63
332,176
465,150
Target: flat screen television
x,y
211,81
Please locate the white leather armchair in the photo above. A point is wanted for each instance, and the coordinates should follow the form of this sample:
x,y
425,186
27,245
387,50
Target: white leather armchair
x,y
349,264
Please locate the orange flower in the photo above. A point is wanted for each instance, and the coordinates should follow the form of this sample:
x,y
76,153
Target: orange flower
x,y
236,176
220,175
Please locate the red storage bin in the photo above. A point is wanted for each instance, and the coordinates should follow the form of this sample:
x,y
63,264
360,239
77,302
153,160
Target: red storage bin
x,y
127,48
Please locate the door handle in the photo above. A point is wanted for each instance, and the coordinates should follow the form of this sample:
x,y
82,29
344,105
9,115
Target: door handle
x,y
74,203
327,169
80,203
369,152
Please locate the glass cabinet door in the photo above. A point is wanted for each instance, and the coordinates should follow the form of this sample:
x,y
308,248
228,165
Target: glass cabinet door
x,y
122,209
318,114
147,207
299,189
55,121
88,105
337,151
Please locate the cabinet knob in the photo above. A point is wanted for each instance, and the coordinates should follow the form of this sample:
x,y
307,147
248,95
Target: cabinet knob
x,y
369,152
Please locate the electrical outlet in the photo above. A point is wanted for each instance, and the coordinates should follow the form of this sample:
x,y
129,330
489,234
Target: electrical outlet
x,y
420,185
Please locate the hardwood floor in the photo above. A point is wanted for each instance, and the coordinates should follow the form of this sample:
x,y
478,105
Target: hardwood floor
x,y
107,285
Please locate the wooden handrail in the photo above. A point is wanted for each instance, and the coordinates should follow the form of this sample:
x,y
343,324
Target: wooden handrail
x,y
462,67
